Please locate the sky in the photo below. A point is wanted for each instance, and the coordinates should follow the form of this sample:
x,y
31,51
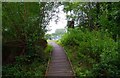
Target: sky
x,y
60,24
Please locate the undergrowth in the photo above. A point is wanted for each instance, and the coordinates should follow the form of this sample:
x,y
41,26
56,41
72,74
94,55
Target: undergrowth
x,y
92,53
28,66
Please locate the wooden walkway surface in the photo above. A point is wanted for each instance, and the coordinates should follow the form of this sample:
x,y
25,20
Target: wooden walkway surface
x,y
59,65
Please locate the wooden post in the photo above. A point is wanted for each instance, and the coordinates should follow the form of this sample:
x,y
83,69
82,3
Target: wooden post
x,y
70,24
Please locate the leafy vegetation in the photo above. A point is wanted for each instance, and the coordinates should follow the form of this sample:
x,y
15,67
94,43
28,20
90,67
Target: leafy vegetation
x,y
95,15
92,53
55,36
23,29
93,44
28,65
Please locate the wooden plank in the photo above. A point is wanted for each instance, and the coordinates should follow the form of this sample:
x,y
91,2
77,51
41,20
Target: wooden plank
x,y
59,64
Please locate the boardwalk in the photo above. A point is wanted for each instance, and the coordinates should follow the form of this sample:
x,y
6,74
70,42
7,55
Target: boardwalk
x,y
59,65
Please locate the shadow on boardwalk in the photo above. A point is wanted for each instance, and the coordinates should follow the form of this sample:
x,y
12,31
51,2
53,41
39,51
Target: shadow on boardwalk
x,y
59,65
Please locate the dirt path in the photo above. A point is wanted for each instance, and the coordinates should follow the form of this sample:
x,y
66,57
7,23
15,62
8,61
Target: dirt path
x,y
59,64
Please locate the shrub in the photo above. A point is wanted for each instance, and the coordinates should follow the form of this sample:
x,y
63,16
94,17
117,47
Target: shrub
x,y
28,65
93,47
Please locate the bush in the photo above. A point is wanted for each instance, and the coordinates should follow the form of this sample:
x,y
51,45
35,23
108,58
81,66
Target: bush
x,y
95,50
28,65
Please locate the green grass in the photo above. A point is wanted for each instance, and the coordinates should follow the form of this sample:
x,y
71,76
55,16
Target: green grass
x,y
51,40
80,66
48,51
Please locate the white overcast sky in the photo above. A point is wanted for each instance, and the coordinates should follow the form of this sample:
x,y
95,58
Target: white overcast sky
x,y
60,24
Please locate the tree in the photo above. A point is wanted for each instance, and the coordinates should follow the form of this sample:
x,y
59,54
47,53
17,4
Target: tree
x,y
95,15
24,25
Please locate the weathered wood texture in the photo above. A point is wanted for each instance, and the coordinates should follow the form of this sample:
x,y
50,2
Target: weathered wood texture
x,y
59,66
